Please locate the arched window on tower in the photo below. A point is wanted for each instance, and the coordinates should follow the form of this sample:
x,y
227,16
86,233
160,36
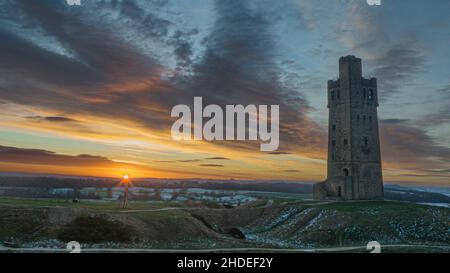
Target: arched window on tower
x,y
346,172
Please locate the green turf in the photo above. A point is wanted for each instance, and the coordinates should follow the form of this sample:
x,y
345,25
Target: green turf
x,y
283,223
88,204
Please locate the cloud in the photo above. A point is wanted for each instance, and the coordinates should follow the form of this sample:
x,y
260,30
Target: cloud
x,y
39,160
211,165
239,67
179,161
393,60
217,158
110,78
441,116
407,146
134,61
191,160
278,153
425,175
148,22
44,157
291,171
52,119
396,66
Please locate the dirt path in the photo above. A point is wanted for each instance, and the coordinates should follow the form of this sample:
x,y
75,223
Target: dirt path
x,y
164,209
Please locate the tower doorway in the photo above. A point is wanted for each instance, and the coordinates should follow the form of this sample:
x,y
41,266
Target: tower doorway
x,y
346,172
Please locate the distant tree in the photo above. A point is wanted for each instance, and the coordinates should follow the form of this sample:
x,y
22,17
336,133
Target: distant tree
x,y
109,193
158,194
175,195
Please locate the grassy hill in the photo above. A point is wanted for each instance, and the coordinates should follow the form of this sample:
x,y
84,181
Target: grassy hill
x,y
196,225
352,223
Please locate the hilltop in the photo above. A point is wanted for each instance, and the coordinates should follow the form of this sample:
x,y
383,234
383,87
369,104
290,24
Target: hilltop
x,y
198,225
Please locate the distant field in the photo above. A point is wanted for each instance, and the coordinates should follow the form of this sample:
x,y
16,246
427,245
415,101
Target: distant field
x,y
90,204
279,195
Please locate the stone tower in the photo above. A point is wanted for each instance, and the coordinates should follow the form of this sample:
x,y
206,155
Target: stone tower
x,y
354,160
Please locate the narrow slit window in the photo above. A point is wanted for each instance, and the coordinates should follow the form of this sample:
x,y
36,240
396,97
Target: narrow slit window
x,y
370,97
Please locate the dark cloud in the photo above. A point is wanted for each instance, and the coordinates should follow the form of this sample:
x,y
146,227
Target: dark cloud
x,y
402,143
436,172
179,161
442,115
148,22
425,175
217,158
278,153
43,157
190,160
157,27
447,171
238,67
398,64
34,63
98,49
183,50
291,171
395,59
53,119
211,165
59,119
108,78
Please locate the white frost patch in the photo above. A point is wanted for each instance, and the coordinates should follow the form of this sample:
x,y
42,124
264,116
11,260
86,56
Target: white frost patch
x,y
444,205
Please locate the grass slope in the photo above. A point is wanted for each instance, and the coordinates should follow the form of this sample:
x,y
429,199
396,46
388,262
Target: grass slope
x,y
353,223
194,225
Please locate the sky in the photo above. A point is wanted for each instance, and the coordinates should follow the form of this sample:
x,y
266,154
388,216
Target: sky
x,y
88,90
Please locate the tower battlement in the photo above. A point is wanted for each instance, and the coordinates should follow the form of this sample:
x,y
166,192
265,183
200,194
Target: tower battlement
x,y
354,160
